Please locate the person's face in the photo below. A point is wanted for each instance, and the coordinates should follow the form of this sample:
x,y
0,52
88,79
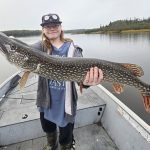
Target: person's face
x,y
52,31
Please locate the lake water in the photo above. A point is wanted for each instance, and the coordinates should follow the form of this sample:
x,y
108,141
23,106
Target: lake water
x,y
124,48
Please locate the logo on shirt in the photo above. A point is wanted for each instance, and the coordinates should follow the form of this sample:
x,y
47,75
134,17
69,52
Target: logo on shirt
x,y
59,85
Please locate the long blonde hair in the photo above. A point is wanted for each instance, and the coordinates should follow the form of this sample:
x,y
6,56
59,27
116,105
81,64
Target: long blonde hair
x,y
47,46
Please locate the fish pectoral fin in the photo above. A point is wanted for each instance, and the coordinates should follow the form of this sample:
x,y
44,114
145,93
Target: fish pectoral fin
x,y
23,79
118,88
135,69
146,102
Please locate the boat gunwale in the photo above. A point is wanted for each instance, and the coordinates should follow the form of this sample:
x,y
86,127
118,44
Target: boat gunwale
x,y
126,109
9,78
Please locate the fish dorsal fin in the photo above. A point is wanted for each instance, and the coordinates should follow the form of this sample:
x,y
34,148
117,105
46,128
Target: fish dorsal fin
x,y
24,79
135,69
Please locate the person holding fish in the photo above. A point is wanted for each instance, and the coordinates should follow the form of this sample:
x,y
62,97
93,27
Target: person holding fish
x,y
57,100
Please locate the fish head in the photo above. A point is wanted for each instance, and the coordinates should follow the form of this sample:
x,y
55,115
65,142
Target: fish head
x,y
13,50
7,46
4,44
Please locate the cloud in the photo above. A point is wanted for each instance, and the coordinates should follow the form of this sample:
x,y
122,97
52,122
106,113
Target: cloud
x,y
26,14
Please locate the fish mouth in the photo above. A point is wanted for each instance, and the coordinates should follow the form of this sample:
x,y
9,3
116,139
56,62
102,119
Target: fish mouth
x,y
3,40
3,48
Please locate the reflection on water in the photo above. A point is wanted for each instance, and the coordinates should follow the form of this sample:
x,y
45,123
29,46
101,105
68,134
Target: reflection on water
x,y
130,37
125,48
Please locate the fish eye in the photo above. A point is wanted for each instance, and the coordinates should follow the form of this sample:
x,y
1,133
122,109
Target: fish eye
x,y
13,47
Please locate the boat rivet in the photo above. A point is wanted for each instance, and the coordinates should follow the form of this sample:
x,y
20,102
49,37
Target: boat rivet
x,y
24,116
99,113
100,109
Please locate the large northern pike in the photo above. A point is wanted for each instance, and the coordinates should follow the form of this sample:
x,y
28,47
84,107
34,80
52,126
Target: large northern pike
x,y
73,69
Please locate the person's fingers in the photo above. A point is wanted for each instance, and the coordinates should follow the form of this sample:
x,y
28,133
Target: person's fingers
x,y
96,75
100,78
86,80
91,75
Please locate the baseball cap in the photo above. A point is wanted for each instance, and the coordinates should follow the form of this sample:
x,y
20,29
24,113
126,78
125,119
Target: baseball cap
x,y
50,19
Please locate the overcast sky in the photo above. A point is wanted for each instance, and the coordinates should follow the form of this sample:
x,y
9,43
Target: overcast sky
x,y
26,14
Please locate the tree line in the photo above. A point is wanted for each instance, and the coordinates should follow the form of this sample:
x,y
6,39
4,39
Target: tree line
x,y
120,25
115,26
20,33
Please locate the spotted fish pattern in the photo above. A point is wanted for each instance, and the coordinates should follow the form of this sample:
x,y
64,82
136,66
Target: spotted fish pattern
x,y
73,69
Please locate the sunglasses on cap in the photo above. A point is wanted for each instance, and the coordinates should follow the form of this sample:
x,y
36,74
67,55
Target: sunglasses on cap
x,y
50,17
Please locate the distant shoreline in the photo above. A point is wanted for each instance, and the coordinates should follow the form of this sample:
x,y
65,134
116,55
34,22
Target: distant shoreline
x,y
119,26
122,32
25,33
22,33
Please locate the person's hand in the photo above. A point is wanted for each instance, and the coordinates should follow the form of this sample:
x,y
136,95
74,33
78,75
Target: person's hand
x,y
93,77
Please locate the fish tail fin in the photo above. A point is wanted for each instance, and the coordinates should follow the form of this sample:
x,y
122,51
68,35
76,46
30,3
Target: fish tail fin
x,y
146,101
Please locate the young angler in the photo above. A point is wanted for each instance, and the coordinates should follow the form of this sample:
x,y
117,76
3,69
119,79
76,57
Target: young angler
x,y
57,100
